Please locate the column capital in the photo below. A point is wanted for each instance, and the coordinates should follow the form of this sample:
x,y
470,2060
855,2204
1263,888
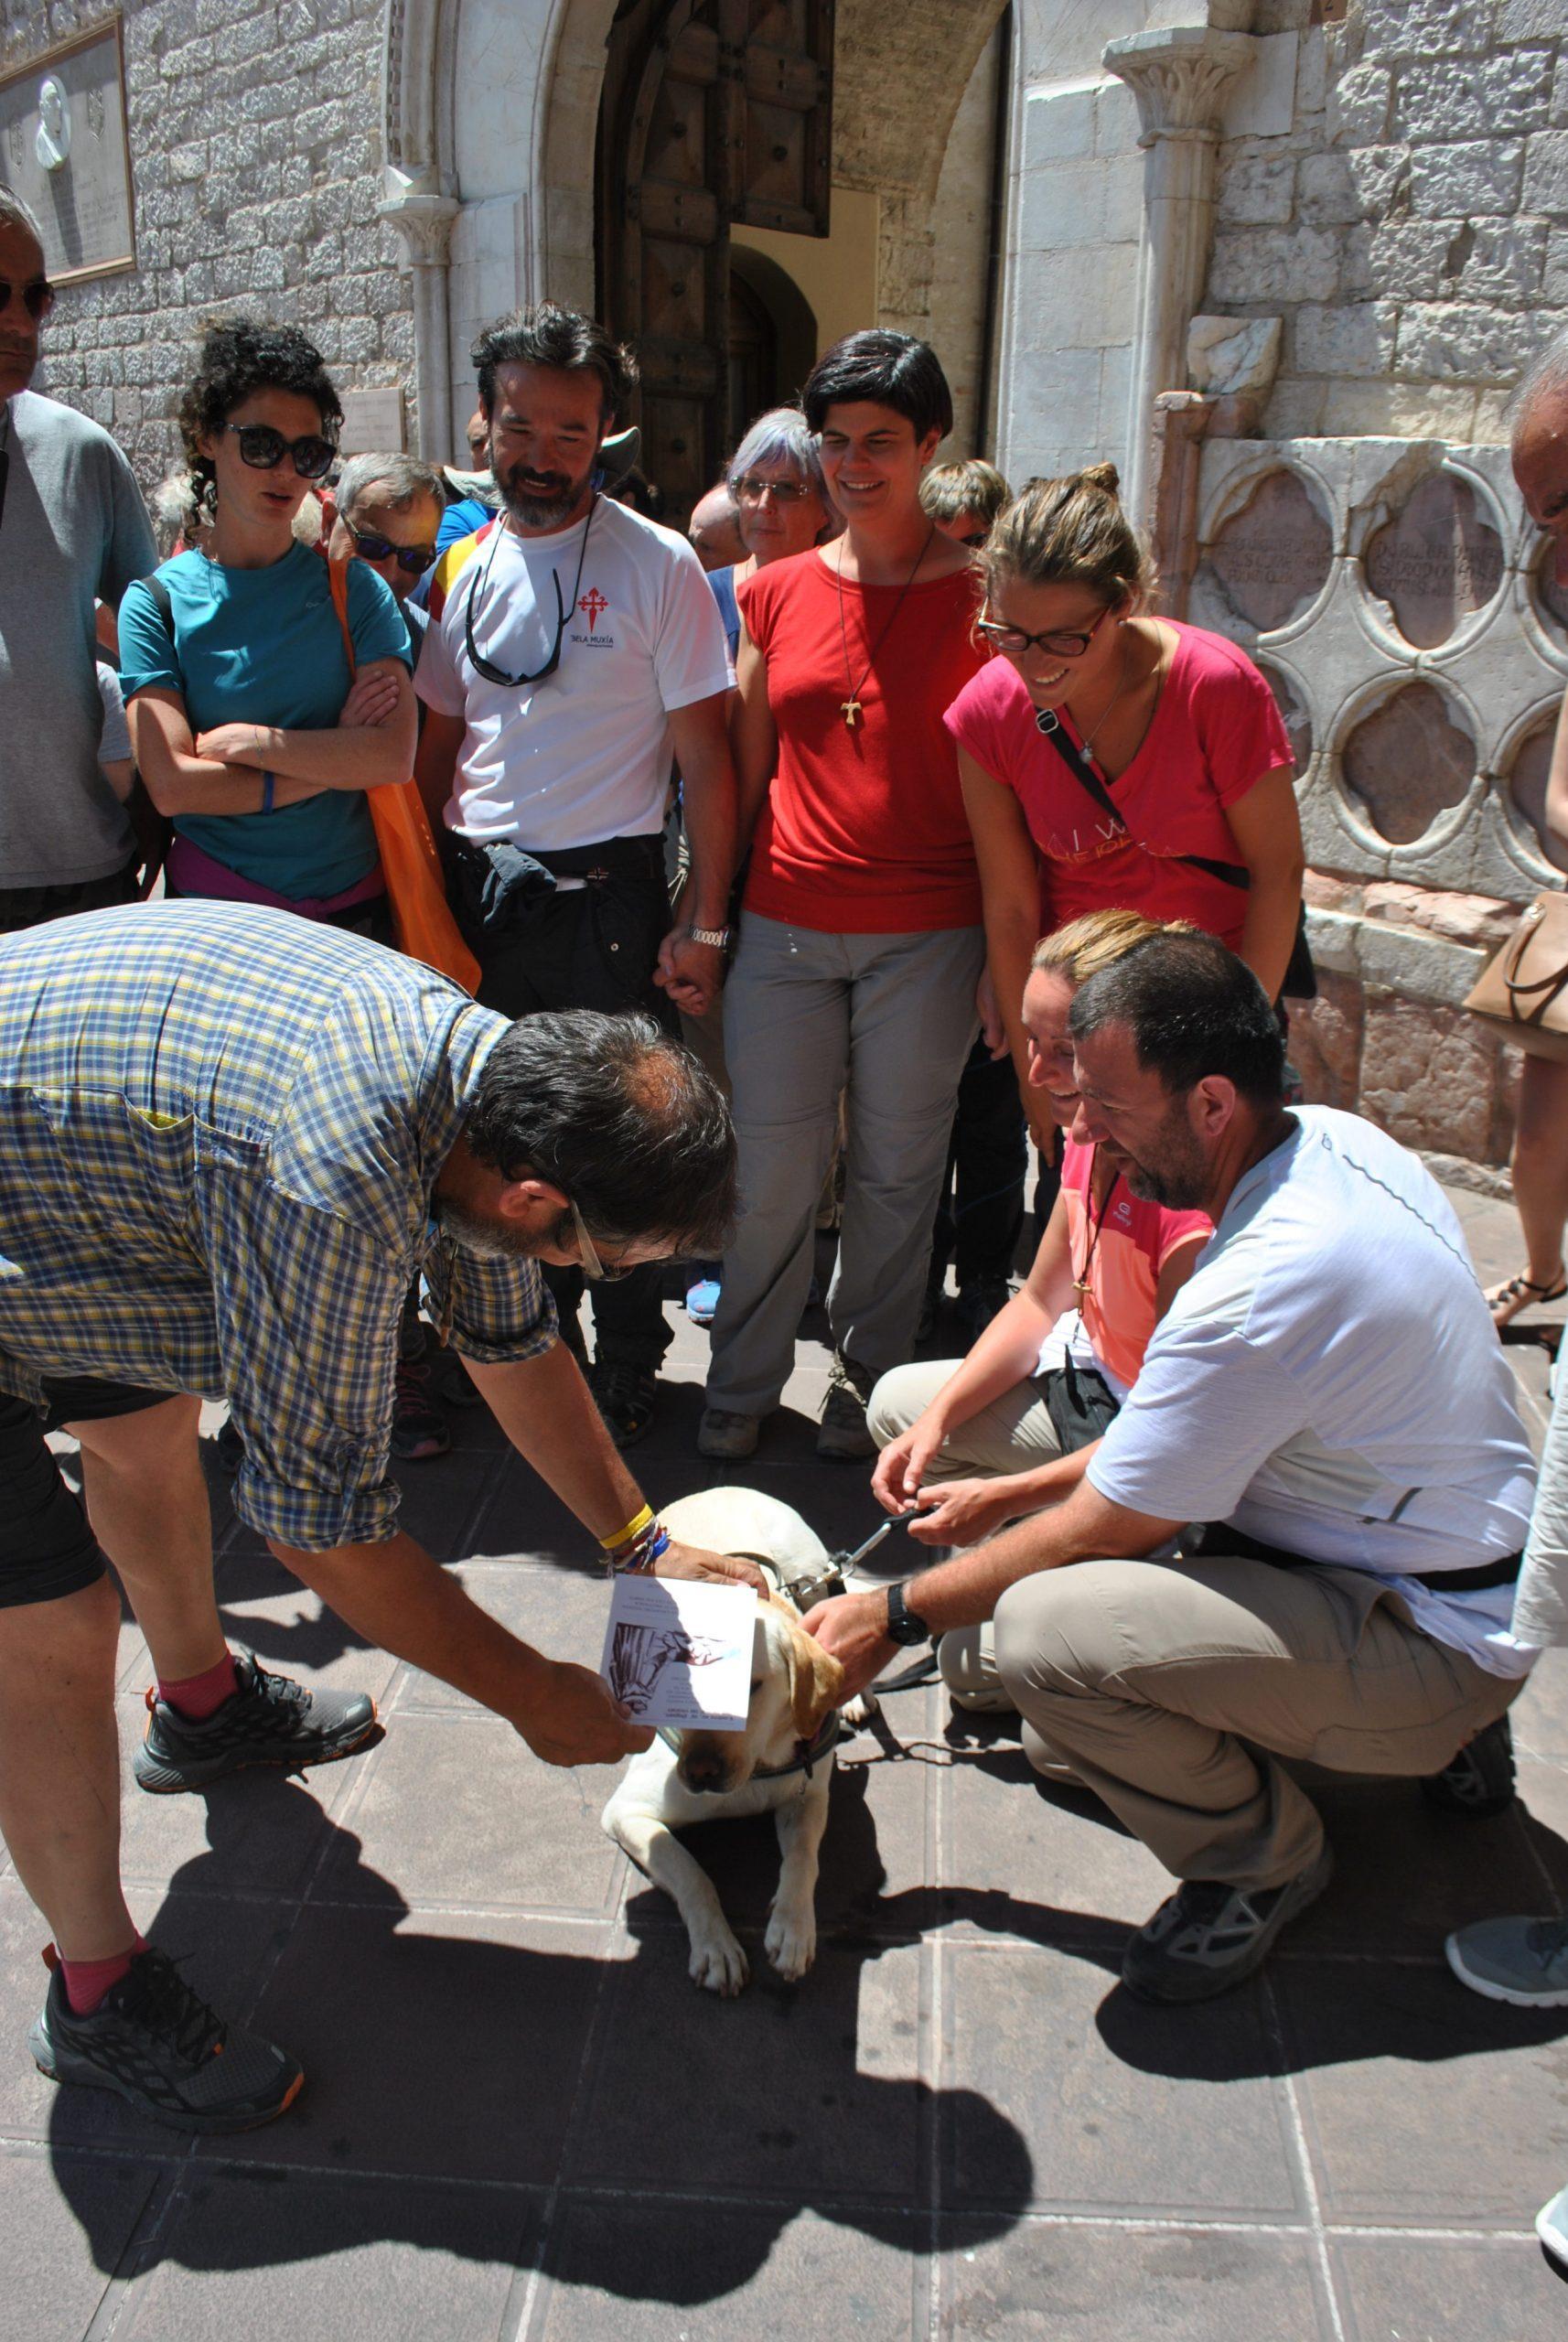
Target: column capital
x,y
1181,76
422,217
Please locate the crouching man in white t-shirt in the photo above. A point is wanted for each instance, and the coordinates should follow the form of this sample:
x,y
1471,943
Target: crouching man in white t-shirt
x,y
1329,1387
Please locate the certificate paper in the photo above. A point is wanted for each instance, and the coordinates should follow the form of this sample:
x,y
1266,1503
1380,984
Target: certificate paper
x,y
678,1651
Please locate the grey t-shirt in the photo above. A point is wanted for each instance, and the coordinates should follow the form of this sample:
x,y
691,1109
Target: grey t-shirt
x,y
74,529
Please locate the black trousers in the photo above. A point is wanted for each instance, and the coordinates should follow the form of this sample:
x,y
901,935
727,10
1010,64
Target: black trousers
x,y
980,1215
594,946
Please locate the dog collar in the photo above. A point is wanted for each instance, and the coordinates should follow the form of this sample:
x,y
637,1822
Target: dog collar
x,y
807,1752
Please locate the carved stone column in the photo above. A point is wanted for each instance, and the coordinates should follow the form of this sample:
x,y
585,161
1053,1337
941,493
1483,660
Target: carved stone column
x,y
1181,78
424,218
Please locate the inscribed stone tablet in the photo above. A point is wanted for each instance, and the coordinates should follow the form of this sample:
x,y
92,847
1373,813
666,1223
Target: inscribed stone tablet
x,y
63,149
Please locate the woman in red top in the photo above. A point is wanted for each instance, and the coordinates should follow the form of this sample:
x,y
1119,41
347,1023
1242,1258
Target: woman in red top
x,y
861,942
1181,730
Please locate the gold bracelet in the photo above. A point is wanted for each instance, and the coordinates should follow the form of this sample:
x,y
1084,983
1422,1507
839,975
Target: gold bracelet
x,y
634,1528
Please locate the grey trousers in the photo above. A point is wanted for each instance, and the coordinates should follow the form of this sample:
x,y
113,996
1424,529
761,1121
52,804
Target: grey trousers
x,y
806,1014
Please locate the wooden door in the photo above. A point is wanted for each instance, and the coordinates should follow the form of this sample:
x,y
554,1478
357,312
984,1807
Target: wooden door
x,y
713,111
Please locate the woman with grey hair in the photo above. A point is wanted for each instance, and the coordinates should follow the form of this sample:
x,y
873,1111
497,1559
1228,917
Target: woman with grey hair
x,y
776,478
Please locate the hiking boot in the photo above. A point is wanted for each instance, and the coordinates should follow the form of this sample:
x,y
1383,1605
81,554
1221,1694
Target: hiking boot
x,y
155,2042
724,1434
268,1720
1208,1935
980,1299
1522,1961
419,1427
843,1433
628,1397
1479,1780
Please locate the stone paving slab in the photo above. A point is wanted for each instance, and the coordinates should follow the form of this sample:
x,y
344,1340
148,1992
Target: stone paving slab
x,y
523,2123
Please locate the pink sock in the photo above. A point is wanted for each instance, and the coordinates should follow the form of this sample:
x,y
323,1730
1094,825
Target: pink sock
x,y
87,1981
195,1697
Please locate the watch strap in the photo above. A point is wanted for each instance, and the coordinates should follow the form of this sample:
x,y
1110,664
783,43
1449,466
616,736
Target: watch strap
x,y
903,1626
717,937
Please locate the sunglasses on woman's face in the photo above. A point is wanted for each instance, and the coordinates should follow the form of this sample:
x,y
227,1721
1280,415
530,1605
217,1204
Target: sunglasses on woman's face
x,y
415,559
263,449
38,297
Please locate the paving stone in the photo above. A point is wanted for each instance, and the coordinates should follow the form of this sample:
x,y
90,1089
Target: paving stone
x,y
255,2253
560,1609
1424,2105
433,2045
1023,1857
457,1809
1045,2283
1420,2287
811,2089
260,1831
67,2219
618,2265
1123,2106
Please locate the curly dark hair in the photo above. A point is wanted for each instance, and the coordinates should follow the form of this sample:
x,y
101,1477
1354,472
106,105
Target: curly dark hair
x,y
243,354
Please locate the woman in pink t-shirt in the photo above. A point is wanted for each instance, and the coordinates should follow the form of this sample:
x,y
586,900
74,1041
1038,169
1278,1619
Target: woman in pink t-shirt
x,y
1187,761
1010,1429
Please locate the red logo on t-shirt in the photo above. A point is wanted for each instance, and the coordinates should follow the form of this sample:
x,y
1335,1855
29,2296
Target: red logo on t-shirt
x,y
592,604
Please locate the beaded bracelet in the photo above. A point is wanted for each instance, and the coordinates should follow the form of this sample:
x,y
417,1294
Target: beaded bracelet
x,y
636,1527
638,1558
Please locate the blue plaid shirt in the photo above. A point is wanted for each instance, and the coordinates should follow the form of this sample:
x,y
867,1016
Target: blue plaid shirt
x,y
219,1128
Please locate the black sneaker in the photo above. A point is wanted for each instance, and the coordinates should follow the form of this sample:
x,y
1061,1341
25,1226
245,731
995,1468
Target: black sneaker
x,y
268,1720
1480,1780
419,1427
980,1299
155,2042
1210,1936
843,1432
628,1398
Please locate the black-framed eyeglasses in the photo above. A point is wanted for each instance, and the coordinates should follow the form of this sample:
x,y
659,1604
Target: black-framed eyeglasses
x,y
751,491
36,297
487,667
415,559
263,449
597,1272
1014,643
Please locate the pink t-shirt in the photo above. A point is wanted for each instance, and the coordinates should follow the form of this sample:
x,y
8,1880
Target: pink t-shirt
x,y
1119,1256
1216,731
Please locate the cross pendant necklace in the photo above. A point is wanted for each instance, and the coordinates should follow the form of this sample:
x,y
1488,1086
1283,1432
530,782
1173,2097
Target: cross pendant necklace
x,y
1080,1283
850,708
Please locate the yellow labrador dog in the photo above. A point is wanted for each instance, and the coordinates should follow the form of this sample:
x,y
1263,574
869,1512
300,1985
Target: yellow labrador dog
x,y
796,1689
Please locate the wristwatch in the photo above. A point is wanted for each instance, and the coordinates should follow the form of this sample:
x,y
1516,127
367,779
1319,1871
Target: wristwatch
x,y
718,936
903,1627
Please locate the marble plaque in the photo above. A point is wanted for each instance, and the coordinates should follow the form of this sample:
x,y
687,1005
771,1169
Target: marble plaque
x,y
1270,559
1437,562
1409,761
372,422
63,149
1526,786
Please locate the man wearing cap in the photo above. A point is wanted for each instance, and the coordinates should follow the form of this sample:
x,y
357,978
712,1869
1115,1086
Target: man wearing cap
x,y
574,649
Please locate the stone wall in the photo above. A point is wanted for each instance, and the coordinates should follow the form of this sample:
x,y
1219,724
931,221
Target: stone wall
x,y
256,170
1411,223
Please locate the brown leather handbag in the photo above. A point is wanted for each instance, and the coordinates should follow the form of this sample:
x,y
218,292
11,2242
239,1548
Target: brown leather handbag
x,y
1522,991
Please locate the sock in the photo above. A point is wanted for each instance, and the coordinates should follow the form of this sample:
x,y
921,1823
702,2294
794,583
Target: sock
x,y
87,1981
195,1697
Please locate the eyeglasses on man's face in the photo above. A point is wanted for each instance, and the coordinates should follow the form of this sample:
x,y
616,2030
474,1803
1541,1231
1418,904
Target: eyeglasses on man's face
x,y
597,1272
36,297
263,449
1015,643
752,490
415,559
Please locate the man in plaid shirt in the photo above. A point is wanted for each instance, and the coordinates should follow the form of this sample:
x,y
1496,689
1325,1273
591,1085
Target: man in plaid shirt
x,y
229,1139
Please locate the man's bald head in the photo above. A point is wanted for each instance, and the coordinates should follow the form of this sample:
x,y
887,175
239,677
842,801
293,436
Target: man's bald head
x,y
1539,413
714,529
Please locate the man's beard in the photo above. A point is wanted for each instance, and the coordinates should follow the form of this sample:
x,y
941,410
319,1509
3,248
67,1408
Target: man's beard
x,y
540,500
488,1240
1179,1182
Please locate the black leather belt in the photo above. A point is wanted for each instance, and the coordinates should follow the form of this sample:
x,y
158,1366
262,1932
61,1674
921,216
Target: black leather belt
x,y
1218,1539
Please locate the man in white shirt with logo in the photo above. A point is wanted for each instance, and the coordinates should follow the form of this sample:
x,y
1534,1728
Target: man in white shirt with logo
x,y
575,651
1328,1390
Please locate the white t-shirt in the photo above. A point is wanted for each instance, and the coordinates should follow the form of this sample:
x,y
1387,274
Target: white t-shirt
x,y
584,755
1329,1379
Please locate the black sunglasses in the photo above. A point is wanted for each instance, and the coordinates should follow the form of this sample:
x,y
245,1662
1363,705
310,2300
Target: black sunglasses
x,y
483,666
263,449
415,559
38,297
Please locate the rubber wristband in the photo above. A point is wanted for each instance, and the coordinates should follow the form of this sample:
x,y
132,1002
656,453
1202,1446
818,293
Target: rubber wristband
x,y
268,779
657,1545
634,1528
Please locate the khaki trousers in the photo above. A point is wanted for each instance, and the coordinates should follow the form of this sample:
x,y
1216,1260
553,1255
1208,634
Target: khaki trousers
x,y
1171,1687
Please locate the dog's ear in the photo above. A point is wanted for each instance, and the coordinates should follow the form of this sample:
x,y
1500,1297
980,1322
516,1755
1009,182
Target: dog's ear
x,y
816,1684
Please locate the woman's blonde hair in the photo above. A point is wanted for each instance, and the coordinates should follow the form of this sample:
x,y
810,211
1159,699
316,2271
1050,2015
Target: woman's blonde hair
x,y
1098,939
1068,532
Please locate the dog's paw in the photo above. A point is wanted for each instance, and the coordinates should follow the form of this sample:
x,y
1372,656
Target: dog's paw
x,y
859,1710
718,1964
791,1944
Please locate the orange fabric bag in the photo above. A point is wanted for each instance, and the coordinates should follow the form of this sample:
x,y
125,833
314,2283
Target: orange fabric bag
x,y
410,864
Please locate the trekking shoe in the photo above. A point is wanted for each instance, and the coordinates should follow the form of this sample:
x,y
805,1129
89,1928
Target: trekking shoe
x,y
419,1427
722,1433
843,1433
1522,1961
979,1301
268,1720
628,1398
1551,2228
1479,1780
230,1446
155,2042
1208,1935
